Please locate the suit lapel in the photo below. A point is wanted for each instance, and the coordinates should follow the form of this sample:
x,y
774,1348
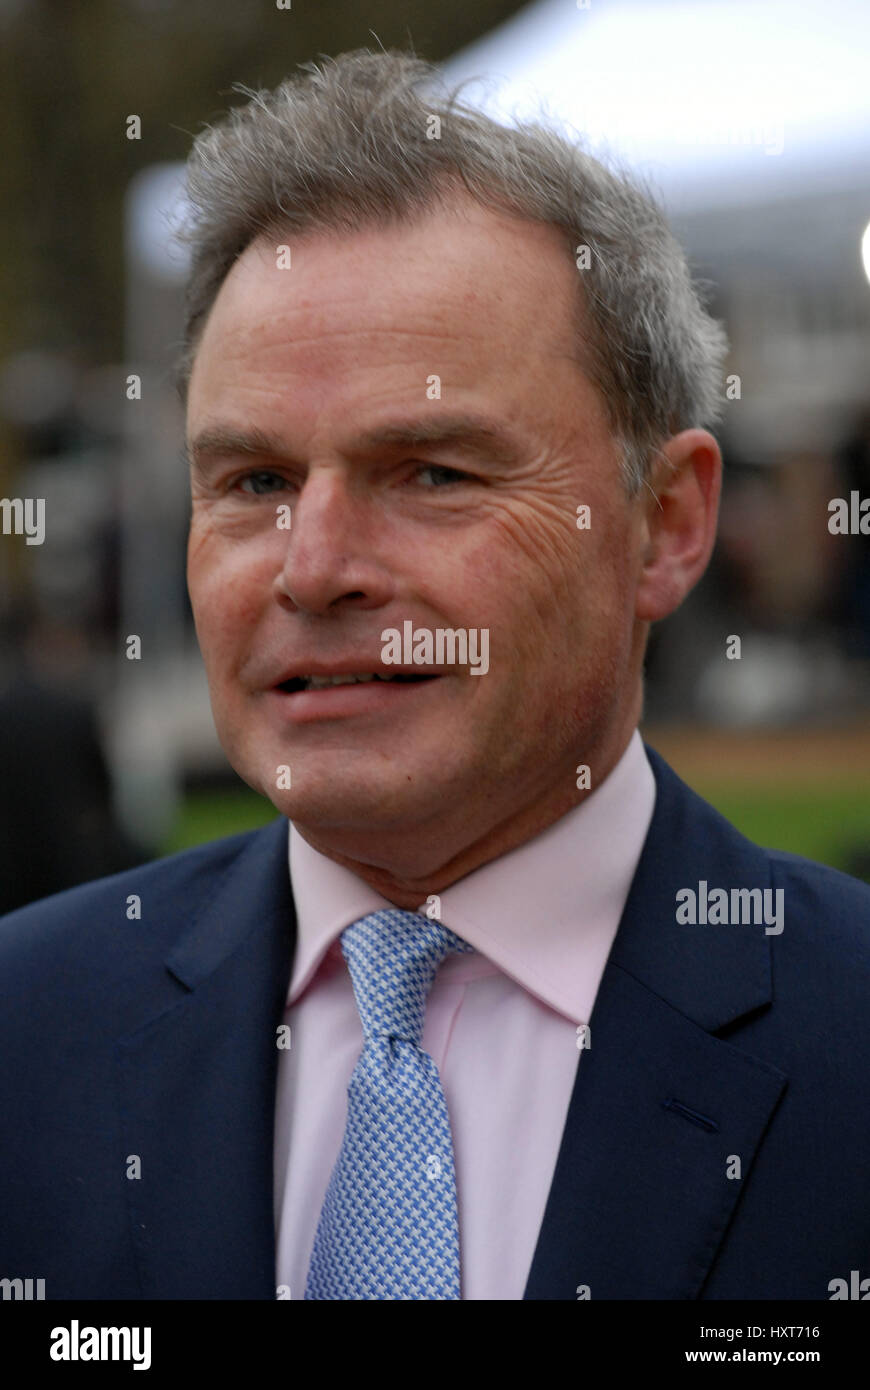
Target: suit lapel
x,y
197,1088
661,1108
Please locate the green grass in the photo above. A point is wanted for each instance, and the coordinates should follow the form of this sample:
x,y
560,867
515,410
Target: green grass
x,y
210,815
823,821
827,822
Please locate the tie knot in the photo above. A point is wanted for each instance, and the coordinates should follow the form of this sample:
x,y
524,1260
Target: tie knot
x,y
392,957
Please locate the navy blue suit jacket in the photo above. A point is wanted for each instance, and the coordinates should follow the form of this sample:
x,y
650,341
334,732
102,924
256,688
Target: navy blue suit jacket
x,y
712,1043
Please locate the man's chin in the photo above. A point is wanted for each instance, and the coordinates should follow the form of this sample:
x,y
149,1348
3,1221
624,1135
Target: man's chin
x,y
374,806
355,812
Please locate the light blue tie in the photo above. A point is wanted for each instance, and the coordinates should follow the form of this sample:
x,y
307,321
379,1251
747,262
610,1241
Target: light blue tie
x,y
388,1227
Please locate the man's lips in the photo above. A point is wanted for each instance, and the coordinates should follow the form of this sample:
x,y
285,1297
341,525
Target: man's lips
x,y
301,704
341,680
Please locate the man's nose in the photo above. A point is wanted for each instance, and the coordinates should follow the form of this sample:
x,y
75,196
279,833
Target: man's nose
x,y
330,553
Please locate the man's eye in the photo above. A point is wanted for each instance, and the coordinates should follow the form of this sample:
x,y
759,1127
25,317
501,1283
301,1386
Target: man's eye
x,y
441,475
261,483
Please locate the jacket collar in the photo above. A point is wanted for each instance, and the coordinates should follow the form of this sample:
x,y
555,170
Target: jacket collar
x,y
714,974
641,1195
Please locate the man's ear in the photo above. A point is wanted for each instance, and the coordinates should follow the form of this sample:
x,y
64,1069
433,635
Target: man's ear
x,y
680,522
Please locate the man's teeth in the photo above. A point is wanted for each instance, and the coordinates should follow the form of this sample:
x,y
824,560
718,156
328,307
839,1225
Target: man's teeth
x,y
299,683
319,682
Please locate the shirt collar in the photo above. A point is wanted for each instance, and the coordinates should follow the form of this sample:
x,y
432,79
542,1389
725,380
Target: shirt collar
x,y
542,913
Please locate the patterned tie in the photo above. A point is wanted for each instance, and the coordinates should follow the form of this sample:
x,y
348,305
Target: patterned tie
x,y
388,1228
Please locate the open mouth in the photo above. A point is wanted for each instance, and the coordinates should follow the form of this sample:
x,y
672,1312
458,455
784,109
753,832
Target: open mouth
x,y
300,683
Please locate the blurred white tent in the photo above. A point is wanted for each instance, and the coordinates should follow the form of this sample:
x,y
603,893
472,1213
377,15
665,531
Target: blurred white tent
x,y
718,101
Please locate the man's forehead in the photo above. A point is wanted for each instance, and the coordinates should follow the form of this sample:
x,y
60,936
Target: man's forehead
x,y
459,259
471,296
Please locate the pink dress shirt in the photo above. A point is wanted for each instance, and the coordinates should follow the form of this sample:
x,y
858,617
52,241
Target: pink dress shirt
x,y
501,1024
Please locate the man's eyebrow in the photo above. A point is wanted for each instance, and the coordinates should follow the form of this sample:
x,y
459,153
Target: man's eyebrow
x,y
472,434
219,441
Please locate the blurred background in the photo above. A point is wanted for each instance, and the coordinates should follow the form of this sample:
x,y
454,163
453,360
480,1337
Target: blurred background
x,y
750,121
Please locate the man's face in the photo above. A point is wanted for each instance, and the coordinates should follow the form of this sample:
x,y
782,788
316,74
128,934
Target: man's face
x,y
327,369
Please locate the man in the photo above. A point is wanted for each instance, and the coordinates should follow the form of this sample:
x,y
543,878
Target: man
x,y
526,1018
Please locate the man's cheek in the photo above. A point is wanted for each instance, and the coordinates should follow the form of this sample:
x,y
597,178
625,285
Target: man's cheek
x,y
223,646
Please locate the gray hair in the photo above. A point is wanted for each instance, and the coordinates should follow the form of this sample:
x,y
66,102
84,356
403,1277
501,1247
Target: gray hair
x,y
348,142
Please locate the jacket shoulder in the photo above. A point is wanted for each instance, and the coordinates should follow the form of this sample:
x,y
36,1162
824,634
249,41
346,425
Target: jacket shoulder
x,y
165,888
832,907
820,879
826,911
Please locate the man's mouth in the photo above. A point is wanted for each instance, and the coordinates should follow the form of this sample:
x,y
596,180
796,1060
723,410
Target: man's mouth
x,y
299,683
316,696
